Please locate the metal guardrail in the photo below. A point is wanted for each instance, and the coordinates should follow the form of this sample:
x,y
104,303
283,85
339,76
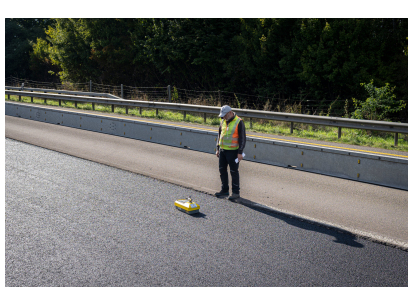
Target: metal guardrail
x,y
64,92
384,126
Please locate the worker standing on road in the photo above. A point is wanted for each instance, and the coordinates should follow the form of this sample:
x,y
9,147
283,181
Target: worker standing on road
x,y
230,145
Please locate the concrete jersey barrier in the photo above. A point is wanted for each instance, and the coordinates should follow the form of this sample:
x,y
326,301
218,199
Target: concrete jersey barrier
x,y
378,169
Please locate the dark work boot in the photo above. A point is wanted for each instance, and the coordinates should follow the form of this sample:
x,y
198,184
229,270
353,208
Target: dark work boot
x,y
233,197
222,194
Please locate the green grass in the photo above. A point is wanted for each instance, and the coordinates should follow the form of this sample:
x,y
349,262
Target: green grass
x,y
306,131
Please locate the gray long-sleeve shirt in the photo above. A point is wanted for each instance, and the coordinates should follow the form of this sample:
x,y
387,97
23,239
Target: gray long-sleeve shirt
x,y
241,133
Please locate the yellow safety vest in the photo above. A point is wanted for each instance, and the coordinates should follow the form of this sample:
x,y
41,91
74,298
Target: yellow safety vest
x,y
229,134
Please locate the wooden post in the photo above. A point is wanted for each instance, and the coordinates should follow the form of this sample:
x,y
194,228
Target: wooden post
x,y
169,93
21,89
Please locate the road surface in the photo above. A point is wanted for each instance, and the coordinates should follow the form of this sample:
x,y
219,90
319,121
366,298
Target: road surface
x,y
375,212
72,222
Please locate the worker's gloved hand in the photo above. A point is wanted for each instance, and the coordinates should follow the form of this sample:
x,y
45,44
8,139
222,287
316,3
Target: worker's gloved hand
x,y
240,157
217,153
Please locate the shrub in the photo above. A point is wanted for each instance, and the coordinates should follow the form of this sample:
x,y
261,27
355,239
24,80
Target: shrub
x,y
380,104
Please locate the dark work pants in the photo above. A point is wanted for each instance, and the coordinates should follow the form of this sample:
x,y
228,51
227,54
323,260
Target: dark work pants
x,y
227,157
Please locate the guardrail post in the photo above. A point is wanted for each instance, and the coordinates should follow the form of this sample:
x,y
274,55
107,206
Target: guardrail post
x,y
184,115
93,106
339,132
292,127
140,110
396,139
31,98
169,94
251,123
204,117
60,101
113,107
75,104
126,109
45,99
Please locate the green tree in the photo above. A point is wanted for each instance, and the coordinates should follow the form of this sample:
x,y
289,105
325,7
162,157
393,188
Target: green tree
x,y
20,33
111,49
338,54
286,58
190,53
69,41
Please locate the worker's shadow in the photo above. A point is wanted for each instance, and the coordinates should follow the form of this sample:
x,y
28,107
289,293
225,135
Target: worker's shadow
x,y
341,236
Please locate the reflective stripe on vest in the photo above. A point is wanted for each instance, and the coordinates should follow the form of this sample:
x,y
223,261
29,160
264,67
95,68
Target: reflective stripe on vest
x,y
229,134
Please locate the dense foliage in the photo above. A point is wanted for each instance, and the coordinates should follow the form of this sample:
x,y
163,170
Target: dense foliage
x,y
287,58
380,105
19,39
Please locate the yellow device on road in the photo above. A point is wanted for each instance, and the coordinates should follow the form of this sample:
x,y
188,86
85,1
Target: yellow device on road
x,y
187,206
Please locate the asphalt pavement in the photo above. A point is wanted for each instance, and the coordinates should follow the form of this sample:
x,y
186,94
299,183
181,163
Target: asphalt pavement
x,y
374,212
72,222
